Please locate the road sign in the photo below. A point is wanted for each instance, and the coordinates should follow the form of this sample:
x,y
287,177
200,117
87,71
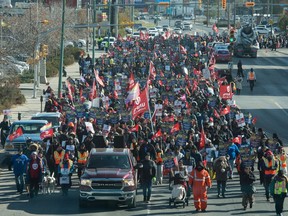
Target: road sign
x,y
249,4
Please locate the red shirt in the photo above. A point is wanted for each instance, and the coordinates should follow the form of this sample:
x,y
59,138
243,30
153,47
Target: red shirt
x,y
35,169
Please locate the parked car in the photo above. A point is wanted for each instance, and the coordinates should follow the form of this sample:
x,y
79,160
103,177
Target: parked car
x,y
222,55
17,62
105,39
189,17
110,174
136,35
178,24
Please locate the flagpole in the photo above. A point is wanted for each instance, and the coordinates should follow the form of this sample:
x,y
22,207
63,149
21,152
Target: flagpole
x,y
147,95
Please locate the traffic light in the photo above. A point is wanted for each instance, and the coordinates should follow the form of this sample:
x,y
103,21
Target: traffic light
x,y
224,4
232,38
44,50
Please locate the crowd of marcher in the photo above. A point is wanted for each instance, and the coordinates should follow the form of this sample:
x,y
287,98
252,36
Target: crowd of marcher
x,y
192,120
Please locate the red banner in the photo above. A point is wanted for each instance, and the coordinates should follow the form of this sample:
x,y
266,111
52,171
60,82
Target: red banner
x,y
140,104
225,92
47,134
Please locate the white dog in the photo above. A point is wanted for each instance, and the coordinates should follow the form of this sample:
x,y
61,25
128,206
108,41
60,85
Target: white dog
x,y
48,184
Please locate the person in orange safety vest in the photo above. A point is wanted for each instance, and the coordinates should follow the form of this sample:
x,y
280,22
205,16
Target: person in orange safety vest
x,y
282,157
82,156
58,157
200,180
270,166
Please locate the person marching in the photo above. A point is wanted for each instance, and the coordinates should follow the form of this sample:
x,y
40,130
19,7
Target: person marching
x,y
278,190
247,179
200,180
58,156
282,157
82,159
251,78
221,168
270,166
147,174
66,163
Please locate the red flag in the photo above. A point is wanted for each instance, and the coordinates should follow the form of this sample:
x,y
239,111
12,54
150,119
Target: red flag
x,y
142,36
140,104
131,82
225,110
99,80
237,140
93,93
254,120
195,85
69,90
157,134
47,134
196,72
120,37
160,82
221,80
152,71
115,94
135,128
183,50
16,133
175,128
216,114
202,139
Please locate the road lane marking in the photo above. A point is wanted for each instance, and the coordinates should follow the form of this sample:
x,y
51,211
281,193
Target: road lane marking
x,y
279,106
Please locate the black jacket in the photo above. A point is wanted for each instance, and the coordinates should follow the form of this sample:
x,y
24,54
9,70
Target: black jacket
x,y
148,171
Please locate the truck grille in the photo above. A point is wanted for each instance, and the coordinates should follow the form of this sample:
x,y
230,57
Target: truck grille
x,y
106,184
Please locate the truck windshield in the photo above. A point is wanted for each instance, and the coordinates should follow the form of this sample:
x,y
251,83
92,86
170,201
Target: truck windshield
x,y
108,161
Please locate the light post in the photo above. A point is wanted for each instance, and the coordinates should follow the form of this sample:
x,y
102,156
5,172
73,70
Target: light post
x,y
61,49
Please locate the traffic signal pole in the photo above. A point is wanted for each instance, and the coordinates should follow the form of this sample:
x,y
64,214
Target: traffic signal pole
x,y
61,49
93,33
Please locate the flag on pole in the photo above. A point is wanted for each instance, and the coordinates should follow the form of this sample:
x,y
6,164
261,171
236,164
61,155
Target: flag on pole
x,y
16,134
183,50
254,120
93,93
131,82
46,134
46,127
202,139
99,80
216,114
225,110
140,104
135,128
133,94
152,71
175,128
157,134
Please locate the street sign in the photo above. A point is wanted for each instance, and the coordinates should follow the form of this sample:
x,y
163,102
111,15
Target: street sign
x,y
249,4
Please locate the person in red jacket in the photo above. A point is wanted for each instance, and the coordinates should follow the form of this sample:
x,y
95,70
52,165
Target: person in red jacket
x,y
200,180
34,174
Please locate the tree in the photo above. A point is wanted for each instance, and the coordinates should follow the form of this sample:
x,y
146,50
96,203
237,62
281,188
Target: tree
x,y
283,22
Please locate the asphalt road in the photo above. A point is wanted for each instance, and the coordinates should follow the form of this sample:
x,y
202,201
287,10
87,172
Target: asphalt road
x,y
55,204
269,99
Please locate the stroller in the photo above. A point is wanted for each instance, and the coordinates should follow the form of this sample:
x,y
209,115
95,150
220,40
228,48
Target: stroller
x,y
180,192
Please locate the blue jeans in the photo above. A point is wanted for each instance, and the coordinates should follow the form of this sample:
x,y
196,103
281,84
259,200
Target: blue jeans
x,y
19,179
147,188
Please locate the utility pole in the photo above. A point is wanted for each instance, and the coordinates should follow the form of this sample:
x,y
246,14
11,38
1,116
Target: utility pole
x,y
93,34
61,49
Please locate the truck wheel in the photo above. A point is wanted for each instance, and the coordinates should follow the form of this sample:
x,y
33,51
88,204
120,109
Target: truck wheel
x,y
82,204
132,204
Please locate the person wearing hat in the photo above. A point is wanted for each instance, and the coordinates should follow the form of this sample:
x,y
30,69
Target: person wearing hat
x,y
148,172
251,78
5,127
269,164
82,156
221,168
200,180
278,190
58,156
34,174
19,164
66,163
247,179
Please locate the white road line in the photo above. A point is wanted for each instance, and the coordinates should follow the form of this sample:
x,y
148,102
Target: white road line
x,y
278,105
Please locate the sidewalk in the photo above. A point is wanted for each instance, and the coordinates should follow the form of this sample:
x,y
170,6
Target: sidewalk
x,y
33,105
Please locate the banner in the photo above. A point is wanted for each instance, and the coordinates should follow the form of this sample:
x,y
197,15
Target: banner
x,y
225,92
140,104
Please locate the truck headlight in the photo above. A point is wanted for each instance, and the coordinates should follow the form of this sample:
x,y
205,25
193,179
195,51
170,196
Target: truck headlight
x,y
128,182
86,182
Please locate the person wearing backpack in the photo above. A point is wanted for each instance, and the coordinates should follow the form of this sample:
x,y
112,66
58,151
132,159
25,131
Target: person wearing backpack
x,y
278,190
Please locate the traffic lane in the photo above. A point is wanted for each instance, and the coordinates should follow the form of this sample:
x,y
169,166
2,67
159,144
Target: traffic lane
x,y
55,204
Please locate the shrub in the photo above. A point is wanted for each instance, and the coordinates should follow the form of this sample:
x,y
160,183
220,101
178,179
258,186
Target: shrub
x,y
27,77
10,94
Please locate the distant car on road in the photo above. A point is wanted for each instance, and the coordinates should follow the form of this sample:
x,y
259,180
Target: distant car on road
x,y
187,26
222,55
178,31
263,30
105,39
136,35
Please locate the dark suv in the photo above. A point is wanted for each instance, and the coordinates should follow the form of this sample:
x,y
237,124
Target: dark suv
x,y
110,175
179,24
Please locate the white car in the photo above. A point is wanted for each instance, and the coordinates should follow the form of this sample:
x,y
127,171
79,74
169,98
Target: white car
x,y
136,35
189,17
19,64
152,29
177,31
81,42
105,39
263,30
187,26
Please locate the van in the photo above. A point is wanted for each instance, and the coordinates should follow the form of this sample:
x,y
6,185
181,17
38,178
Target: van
x,y
54,117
